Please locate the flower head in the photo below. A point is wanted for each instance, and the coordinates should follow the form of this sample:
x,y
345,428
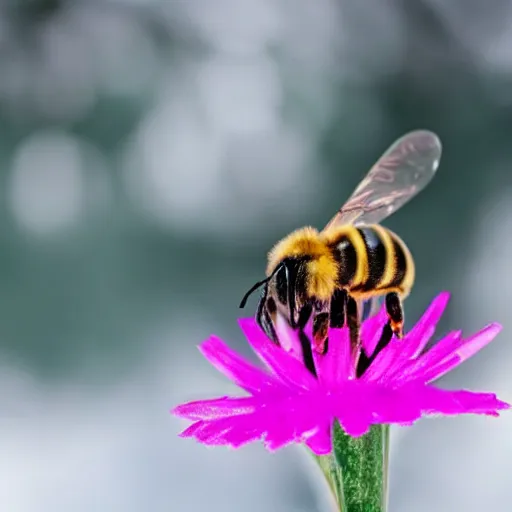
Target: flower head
x,y
287,403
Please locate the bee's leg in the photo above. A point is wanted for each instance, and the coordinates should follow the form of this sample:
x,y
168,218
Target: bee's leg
x,y
336,318
320,329
353,322
337,315
264,318
304,315
305,342
395,314
394,326
307,352
365,361
338,309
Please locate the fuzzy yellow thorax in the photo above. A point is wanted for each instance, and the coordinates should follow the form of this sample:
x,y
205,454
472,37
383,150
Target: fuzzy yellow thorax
x,y
322,268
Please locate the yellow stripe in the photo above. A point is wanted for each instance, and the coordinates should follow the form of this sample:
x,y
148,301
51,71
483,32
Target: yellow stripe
x,y
410,272
390,269
362,269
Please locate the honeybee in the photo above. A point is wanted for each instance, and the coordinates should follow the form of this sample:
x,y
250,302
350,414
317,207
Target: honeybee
x,y
329,274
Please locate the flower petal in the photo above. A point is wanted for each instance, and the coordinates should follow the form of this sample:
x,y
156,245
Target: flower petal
x,y
278,437
440,401
287,404
382,367
336,366
215,408
419,335
413,369
320,442
478,341
288,338
432,373
465,350
283,365
237,369
399,353
220,432
352,406
371,330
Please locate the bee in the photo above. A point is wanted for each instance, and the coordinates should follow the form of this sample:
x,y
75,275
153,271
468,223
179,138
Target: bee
x,y
327,275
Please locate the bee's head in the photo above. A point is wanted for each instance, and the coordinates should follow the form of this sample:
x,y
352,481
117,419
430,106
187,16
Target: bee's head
x,y
282,283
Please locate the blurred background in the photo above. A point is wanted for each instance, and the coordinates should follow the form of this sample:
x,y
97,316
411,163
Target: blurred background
x,y
151,152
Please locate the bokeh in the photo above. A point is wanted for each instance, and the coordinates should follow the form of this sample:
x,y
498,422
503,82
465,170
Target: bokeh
x,y
150,155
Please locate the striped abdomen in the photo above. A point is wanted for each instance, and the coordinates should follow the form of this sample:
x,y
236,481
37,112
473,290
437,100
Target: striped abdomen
x,y
373,260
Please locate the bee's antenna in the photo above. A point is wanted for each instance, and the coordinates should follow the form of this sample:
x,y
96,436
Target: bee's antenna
x,y
251,290
257,285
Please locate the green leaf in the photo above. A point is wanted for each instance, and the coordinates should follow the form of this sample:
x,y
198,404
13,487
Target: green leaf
x,y
357,469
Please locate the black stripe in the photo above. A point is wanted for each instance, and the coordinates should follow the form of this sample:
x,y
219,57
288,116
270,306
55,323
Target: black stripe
x,y
347,259
401,265
376,258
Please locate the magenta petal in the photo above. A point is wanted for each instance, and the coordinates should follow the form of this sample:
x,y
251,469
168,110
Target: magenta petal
x,y
215,408
353,408
383,366
441,351
288,405
320,441
398,354
224,432
284,366
464,351
234,432
288,338
478,341
336,367
233,366
277,438
449,353
418,336
440,401
435,355
190,431
400,407
432,373
371,330
214,433
236,439
355,425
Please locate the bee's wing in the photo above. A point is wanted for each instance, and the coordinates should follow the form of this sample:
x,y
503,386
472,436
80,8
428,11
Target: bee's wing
x,y
401,172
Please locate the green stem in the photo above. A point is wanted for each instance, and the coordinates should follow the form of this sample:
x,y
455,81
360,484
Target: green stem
x,y
357,470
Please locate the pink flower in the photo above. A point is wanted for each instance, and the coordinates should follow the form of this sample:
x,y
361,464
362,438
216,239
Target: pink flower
x,y
286,403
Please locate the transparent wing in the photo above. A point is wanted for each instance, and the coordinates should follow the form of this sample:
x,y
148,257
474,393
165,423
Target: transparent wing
x,y
402,171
